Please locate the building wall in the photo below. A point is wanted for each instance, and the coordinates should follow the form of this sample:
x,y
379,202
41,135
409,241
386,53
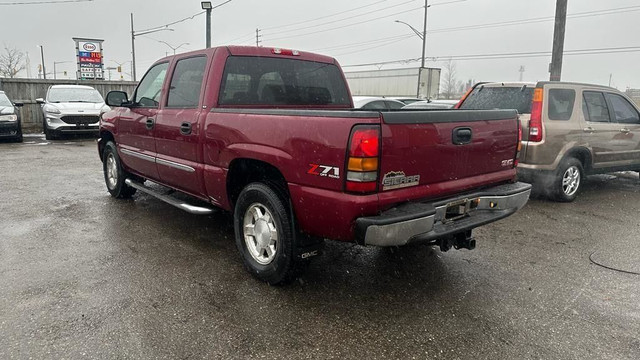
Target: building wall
x,y
28,90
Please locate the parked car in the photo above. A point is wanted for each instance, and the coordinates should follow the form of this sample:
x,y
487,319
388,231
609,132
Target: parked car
x,y
405,100
71,109
570,130
10,126
269,135
432,104
376,103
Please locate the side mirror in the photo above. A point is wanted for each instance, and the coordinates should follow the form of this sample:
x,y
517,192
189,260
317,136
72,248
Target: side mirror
x,y
117,99
18,104
40,101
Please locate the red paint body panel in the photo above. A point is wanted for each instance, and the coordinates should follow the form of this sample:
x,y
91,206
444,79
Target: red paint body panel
x,y
293,139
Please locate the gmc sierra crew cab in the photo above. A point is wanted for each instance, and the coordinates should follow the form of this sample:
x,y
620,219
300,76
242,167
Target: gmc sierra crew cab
x,y
271,136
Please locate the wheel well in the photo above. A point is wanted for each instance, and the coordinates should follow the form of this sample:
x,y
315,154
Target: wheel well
x,y
583,155
242,172
105,137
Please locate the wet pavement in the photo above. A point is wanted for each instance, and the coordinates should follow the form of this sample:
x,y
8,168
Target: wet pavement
x,y
83,275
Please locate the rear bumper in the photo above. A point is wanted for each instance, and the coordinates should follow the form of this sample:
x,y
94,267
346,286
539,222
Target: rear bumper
x,y
424,222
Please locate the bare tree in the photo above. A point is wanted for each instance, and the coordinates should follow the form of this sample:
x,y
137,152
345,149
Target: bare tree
x,y
450,83
11,62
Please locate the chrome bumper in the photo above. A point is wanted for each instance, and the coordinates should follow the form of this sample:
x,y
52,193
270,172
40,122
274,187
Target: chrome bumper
x,y
424,222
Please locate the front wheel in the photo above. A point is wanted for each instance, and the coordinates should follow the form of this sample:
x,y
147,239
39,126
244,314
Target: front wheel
x,y
568,180
114,174
264,234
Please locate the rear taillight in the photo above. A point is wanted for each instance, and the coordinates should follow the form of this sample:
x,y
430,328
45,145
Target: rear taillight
x,y
535,124
363,159
519,147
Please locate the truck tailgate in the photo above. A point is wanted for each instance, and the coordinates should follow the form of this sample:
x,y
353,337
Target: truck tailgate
x,y
427,148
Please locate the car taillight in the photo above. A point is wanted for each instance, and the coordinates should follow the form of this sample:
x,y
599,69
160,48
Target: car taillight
x,y
363,159
535,124
519,147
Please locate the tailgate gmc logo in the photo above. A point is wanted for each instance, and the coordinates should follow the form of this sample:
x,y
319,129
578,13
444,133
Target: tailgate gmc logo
x,y
323,170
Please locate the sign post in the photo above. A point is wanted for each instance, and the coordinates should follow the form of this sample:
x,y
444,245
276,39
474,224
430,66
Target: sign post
x,y
90,59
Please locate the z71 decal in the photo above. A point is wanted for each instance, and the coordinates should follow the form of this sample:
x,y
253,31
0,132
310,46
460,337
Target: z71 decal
x,y
323,170
397,180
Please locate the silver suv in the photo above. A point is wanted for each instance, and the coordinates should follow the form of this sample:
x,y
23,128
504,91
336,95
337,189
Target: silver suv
x,y
71,109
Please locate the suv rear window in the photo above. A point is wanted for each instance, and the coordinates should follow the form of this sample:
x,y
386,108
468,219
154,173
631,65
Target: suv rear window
x,y
560,103
489,98
249,80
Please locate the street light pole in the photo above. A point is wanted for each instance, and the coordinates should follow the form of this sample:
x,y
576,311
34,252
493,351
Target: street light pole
x,y
133,50
207,6
424,32
44,71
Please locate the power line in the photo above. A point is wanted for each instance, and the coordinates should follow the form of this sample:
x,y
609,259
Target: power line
x,y
596,51
376,46
43,2
339,20
172,23
323,17
349,25
536,20
399,37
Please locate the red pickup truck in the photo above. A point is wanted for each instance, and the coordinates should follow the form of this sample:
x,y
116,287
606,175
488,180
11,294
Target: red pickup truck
x,y
270,135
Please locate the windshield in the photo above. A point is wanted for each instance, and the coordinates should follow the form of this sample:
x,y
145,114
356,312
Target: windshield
x,y
57,95
4,100
489,98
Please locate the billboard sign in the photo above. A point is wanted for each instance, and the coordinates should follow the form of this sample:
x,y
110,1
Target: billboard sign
x,y
89,58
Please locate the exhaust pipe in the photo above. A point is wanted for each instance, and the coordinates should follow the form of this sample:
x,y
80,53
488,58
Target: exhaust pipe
x,y
458,241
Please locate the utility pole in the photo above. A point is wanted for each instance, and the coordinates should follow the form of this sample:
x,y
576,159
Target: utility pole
x,y
424,49
133,50
44,71
555,68
610,77
521,72
258,36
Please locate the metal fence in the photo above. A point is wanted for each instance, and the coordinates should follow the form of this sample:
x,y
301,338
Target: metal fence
x,y
28,90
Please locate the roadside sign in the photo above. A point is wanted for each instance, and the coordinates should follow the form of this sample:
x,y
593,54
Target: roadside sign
x,y
90,58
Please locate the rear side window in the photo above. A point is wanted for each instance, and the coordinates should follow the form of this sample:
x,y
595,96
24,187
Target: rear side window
x,y
490,98
595,107
624,112
560,103
186,83
249,80
375,105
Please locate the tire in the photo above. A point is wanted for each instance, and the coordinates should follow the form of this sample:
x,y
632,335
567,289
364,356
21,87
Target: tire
x,y
19,138
568,180
268,249
114,174
48,134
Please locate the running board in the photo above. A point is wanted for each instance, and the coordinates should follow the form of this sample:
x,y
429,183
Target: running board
x,y
198,210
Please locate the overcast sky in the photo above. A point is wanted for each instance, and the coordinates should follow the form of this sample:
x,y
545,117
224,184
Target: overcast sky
x,y
364,32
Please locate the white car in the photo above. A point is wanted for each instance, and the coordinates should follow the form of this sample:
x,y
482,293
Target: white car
x,y
432,104
376,103
71,109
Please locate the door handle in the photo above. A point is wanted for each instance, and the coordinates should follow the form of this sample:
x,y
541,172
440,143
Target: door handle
x,y
625,131
461,136
589,129
150,123
185,128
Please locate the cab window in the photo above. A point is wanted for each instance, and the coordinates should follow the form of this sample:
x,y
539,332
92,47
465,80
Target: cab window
x,y
149,91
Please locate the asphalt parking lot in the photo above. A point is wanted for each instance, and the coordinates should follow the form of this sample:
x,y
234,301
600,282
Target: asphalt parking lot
x,y
86,275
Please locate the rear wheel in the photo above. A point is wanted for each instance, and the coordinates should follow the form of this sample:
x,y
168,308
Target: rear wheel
x,y
568,180
265,235
114,174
